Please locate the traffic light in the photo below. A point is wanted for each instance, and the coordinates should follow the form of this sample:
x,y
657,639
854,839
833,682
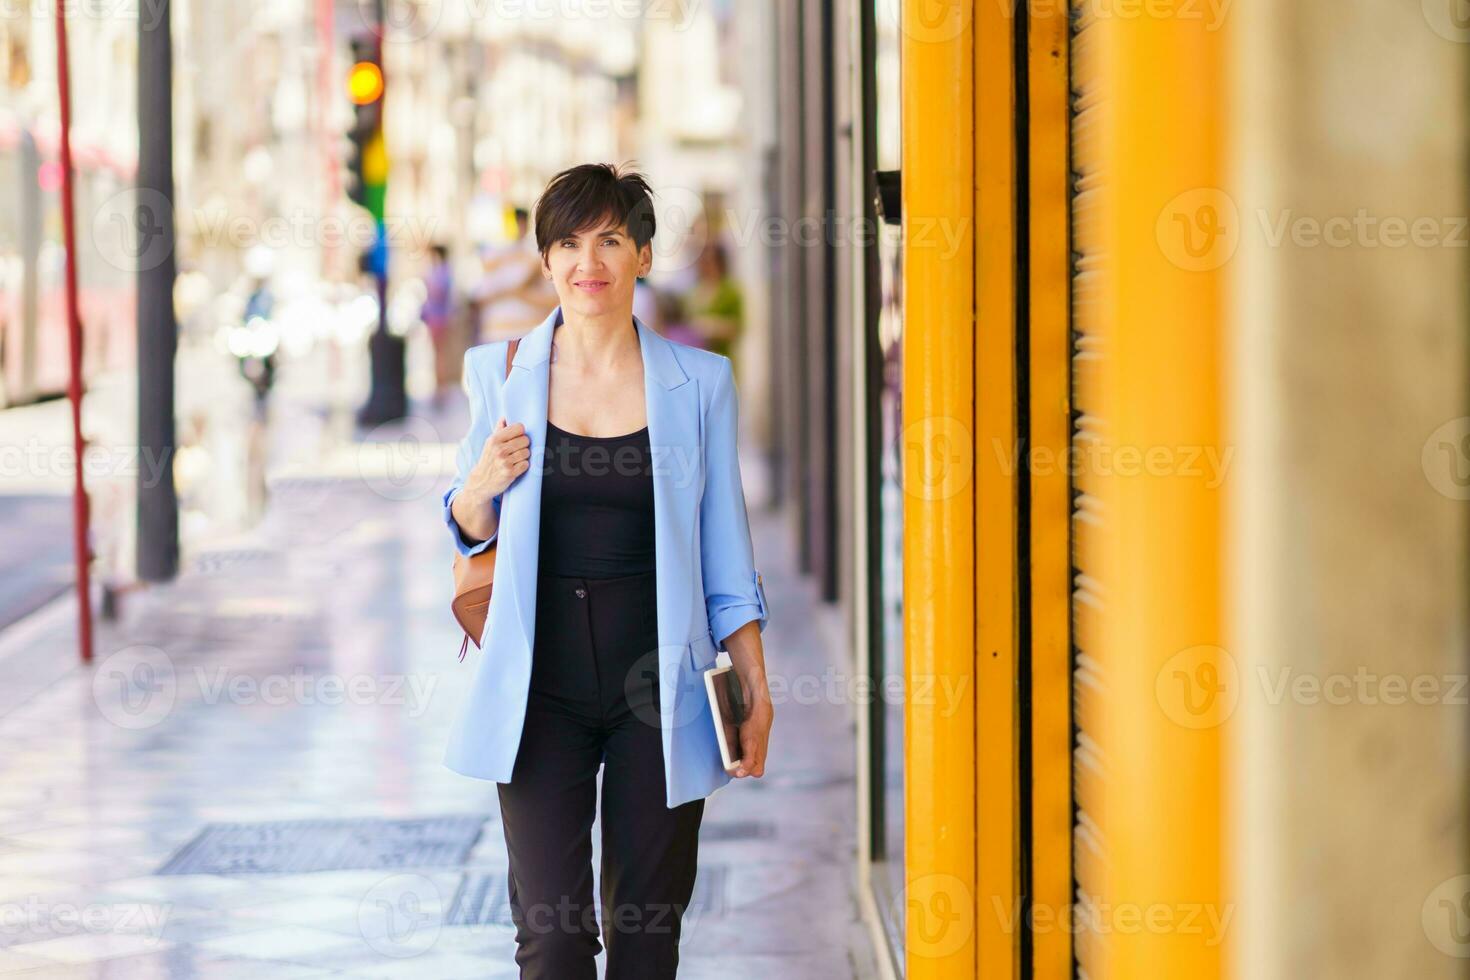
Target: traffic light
x,y
368,186
368,161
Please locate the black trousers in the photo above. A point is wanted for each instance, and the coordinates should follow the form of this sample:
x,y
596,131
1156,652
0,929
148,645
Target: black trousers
x,y
594,700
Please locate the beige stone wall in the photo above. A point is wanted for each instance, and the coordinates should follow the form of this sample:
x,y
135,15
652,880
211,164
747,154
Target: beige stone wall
x,y
1351,418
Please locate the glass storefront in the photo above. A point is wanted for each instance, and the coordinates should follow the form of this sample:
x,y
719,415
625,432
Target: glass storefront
x,y
885,269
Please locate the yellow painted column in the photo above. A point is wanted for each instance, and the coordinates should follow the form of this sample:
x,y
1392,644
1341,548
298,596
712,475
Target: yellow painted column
x,y
997,473
939,488
1050,347
1152,676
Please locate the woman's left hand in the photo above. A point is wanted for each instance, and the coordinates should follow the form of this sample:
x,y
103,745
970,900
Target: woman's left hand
x,y
755,730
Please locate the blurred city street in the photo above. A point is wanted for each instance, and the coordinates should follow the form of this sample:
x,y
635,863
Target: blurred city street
x,y
306,671
1097,374
248,779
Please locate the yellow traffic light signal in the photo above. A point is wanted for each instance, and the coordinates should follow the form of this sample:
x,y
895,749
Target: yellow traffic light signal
x,y
365,83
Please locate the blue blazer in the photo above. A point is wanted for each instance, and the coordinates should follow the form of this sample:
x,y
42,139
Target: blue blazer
x,y
707,583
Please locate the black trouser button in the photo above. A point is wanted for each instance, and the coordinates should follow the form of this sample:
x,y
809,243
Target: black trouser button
x,y
581,593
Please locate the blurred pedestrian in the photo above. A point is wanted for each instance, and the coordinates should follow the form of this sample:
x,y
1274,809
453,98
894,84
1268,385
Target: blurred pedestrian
x,y
438,317
510,296
675,321
258,338
714,305
645,305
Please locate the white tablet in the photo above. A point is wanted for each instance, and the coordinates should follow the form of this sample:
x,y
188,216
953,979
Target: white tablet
x,y
727,705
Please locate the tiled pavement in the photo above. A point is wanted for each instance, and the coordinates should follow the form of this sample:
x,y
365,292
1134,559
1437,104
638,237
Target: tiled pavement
x,y
309,672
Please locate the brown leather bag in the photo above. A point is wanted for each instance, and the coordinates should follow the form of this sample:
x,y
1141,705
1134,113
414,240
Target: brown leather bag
x,y
474,576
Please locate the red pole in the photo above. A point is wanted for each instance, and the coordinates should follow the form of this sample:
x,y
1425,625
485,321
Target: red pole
x,y
74,331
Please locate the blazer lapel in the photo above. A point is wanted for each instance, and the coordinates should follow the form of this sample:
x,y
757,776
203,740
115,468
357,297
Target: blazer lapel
x,y
673,433
525,400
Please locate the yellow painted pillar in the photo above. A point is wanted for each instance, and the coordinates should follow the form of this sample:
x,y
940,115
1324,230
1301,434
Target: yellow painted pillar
x,y
1152,677
939,489
997,474
1049,267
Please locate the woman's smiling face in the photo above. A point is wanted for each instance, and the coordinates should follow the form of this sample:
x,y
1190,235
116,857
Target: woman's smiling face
x,y
594,271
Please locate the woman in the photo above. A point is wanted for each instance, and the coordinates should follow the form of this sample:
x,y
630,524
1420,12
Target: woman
x,y
611,482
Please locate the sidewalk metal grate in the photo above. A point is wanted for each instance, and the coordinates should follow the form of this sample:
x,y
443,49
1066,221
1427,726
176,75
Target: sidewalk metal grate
x,y
808,779
292,846
727,830
214,562
480,900
483,899
709,891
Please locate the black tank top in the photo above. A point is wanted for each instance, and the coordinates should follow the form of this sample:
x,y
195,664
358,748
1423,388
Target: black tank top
x,y
596,504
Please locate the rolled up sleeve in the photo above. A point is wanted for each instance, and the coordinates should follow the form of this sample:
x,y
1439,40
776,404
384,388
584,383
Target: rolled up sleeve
x,y
482,417
733,591
464,546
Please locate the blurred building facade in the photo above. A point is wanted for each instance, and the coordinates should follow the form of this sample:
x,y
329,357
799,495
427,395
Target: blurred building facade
x,y
104,148
487,108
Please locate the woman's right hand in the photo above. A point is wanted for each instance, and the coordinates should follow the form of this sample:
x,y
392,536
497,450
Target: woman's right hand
x,y
505,456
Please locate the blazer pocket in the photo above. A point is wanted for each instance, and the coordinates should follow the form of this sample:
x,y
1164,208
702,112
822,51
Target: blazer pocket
x,y
702,652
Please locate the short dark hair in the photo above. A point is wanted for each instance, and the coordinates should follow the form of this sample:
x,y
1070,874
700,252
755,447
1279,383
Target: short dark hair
x,y
579,198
